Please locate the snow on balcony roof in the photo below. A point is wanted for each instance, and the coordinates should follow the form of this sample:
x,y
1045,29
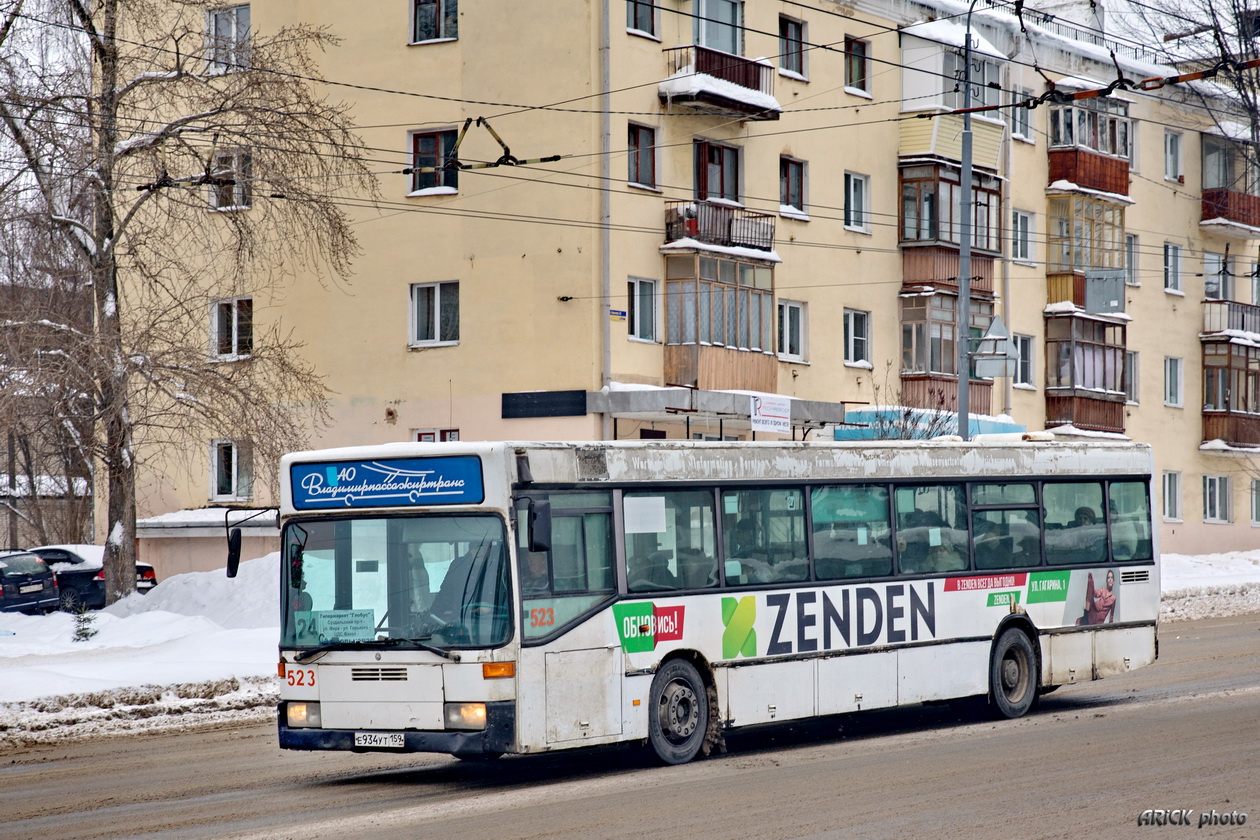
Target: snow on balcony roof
x,y
1231,130
1086,83
1061,186
687,82
689,244
952,35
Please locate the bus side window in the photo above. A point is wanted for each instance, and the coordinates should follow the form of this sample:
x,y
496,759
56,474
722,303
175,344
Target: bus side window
x,y
1077,507
1130,512
931,529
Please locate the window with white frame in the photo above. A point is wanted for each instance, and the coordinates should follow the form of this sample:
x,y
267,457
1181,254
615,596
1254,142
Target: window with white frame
x,y
430,152
986,79
857,202
792,46
641,309
642,155
857,336
228,35
1131,376
434,313
1218,276
1101,125
1255,283
434,20
231,470
792,184
1216,498
229,180
1021,236
1024,363
857,65
1255,501
435,435
232,328
793,331
1172,267
1131,275
641,16
1172,496
719,25
1172,157
1174,385
1021,117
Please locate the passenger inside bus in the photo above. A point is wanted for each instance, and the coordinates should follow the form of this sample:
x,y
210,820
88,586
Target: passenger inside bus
x,y
650,571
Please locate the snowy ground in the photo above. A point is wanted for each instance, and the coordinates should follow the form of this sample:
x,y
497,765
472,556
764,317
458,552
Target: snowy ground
x,y
201,649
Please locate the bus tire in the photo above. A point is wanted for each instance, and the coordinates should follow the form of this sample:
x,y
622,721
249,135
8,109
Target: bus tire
x,y
1013,674
678,717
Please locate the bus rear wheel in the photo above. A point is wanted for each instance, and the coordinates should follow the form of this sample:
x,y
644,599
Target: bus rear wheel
x,y
678,717
1013,674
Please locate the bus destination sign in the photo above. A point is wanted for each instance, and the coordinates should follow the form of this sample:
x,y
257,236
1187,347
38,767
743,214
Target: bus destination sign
x,y
395,482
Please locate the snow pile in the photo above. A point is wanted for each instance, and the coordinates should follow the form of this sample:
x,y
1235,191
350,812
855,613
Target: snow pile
x,y
1209,585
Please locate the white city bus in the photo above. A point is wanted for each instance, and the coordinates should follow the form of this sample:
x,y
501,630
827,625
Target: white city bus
x,y
488,598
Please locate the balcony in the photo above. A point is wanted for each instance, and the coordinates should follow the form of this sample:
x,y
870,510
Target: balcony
x,y
940,136
1222,315
1234,428
937,266
1093,412
1090,170
713,223
939,391
714,82
720,368
1230,213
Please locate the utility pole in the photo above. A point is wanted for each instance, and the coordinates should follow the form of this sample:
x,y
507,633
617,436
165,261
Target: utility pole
x,y
964,249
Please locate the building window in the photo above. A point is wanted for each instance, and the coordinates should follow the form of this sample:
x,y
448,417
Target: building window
x,y
1021,117
231,470
1216,498
1021,236
230,187
1173,381
1132,276
857,336
929,341
1084,233
931,207
1085,354
434,20
232,328
716,301
1100,125
986,80
435,435
430,152
856,202
1172,496
1131,376
642,156
1231,377
434,313
641,16
1255,501
229,39
720,25
1024,360
857,60
1172,267
792,185
1218,276
641,309
717,171
792,46
1172,157
792,331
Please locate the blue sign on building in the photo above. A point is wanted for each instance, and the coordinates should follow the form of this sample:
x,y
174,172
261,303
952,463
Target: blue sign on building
x,y
388,483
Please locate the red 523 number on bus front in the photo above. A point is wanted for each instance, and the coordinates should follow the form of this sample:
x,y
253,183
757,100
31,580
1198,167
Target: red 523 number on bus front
x,y
301,677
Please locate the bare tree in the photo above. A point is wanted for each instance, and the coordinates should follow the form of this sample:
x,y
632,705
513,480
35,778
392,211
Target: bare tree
x,y
182,160
894,420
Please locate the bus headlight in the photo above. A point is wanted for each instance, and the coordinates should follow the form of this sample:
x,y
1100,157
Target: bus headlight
x,y
465,715
303,715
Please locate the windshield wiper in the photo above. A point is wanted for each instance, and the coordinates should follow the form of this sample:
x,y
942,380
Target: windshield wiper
x,y
316,652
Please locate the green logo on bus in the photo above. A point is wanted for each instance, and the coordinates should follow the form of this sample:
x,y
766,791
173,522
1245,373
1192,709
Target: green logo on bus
x,y
1047,587
642,625
740,637
1003,599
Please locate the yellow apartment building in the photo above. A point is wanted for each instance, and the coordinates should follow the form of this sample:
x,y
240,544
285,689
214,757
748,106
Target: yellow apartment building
x,y
765,198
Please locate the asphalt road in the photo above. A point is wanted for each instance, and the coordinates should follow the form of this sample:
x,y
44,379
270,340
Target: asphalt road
x,y
1182,734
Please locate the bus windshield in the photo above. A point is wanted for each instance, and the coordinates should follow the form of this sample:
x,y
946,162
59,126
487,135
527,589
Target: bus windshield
x,y
422,581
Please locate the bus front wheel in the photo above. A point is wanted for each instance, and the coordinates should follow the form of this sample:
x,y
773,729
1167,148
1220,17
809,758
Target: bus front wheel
x,y
678,718
1013,674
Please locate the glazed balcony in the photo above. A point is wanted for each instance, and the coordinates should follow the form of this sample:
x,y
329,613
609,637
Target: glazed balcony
x,y
1090,169
718,223
1231,213
1222,315
714,82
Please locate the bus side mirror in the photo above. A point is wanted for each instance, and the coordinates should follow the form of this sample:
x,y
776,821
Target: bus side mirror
x,y
234,552
539,520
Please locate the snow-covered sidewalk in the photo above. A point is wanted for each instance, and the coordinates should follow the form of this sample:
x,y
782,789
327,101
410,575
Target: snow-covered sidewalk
x,y
201,648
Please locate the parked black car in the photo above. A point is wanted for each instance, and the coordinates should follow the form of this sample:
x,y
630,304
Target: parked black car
x,y
26,584
80,571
